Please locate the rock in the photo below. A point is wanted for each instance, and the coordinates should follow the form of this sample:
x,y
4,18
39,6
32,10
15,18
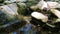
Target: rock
x,y
22,8
13,7
56,12
9,12
22,0
39,16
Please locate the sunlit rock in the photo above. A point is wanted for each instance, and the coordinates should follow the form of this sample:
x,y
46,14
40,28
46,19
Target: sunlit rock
x,y
53,4
38,15
56,12
42,4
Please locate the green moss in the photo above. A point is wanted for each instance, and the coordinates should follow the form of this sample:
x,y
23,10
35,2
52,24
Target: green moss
x,y
31,2
21,9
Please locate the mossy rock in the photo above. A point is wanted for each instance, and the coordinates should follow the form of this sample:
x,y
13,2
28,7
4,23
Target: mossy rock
x,y
22,8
